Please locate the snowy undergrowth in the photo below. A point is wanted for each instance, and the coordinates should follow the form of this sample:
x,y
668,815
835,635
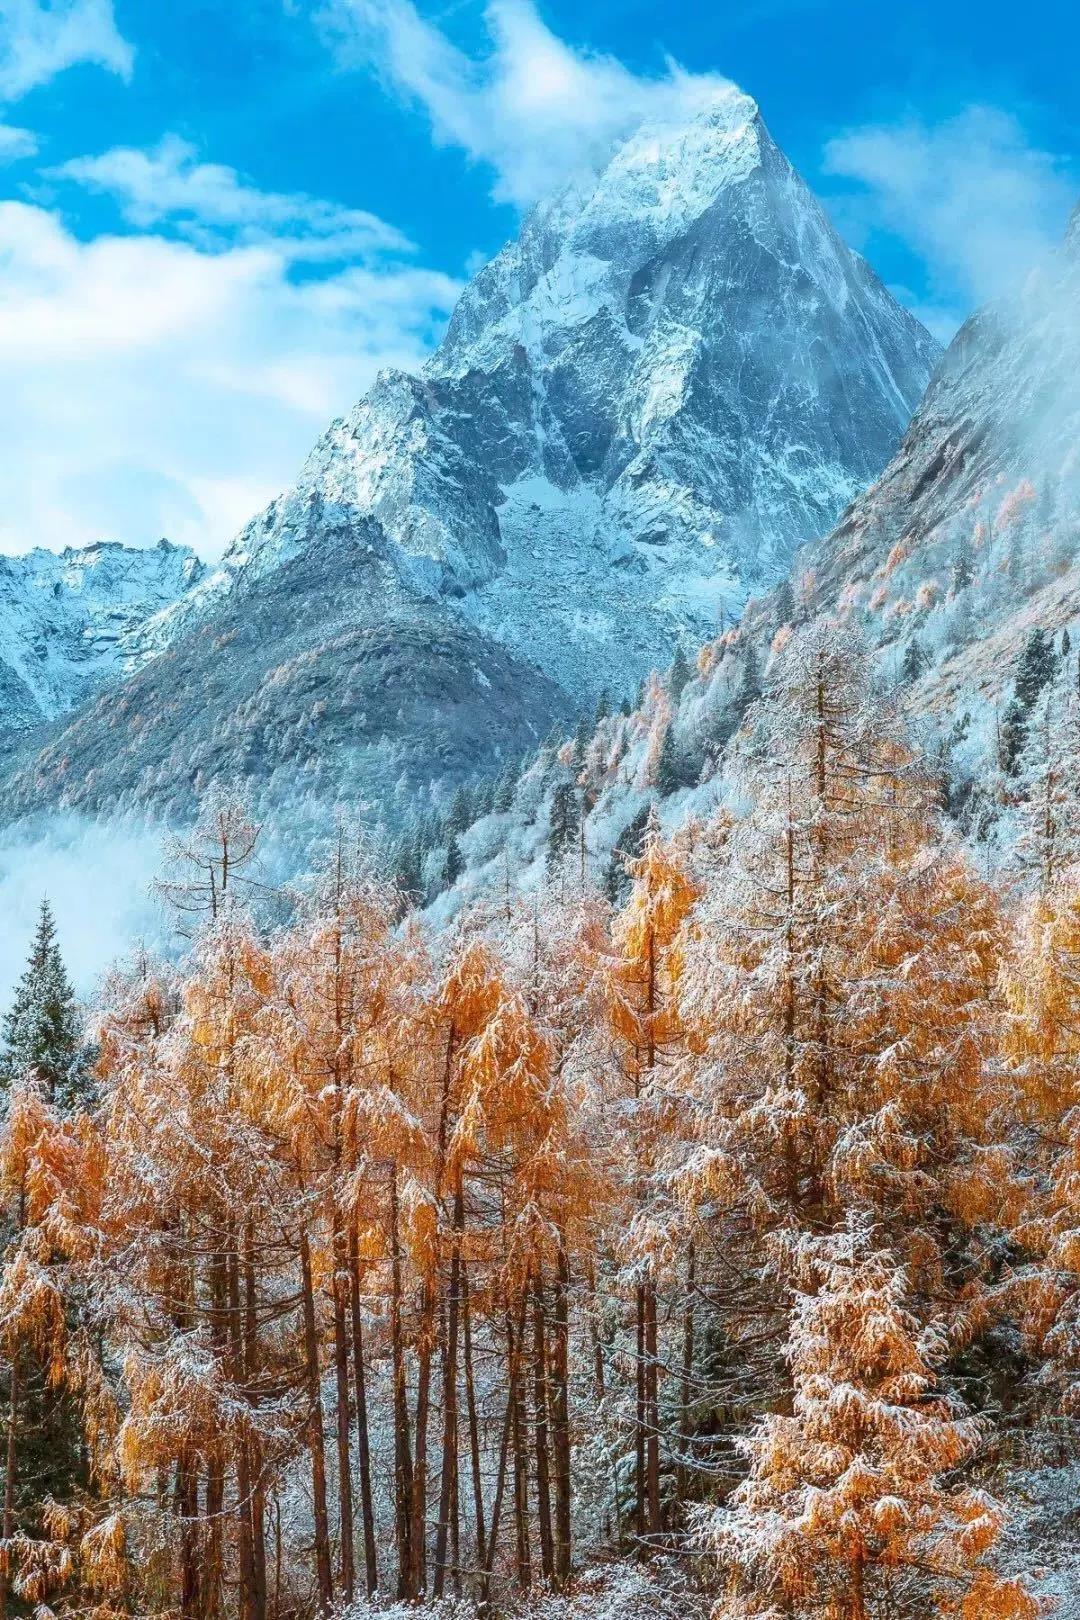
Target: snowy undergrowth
x,y
604,1592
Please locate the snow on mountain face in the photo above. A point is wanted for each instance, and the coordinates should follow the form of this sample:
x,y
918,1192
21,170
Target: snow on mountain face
x,y
69,621
968,542
673,376
985,486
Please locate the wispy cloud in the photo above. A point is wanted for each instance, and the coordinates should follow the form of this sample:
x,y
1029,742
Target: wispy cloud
x,y
155,387
973,197
212,204
98,881
41,38
533,109
16,143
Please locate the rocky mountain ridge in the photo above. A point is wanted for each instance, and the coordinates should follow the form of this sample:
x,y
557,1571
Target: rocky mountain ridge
x,y
675,375
72,621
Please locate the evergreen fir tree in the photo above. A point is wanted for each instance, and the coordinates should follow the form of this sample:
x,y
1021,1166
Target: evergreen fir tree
x,y
582,738
678,675
409,866
460,814
603,706
668,776
563,826
41,1033
963,569
503,796
455,863
1035,669
615,882
1048,773
750,684
914,661
483,798
785,603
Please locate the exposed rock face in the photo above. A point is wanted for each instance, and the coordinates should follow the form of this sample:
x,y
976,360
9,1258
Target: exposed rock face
x,y
675,375
71,621
319,682
985,488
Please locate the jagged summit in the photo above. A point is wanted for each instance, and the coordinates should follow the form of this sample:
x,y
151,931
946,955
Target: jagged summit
x,y
71,620
665,176
673,376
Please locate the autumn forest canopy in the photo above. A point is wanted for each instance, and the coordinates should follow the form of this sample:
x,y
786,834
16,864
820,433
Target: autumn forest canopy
x,y
713,1249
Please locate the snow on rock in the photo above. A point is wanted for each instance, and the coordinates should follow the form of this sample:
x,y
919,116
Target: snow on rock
x,y
71,620
675,374
970,540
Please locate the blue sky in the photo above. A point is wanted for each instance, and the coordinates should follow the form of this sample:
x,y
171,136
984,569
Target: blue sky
x,y
218,218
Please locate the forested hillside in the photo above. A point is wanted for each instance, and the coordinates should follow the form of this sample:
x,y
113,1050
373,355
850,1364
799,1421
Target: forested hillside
x,y
709,1244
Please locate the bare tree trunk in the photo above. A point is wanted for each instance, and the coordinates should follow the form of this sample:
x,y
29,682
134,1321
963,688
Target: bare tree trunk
x,y
363,1438
560,1421
686,1391
258,1495
403,1472
519,1432
639,1414
341,1378
245,1552
594,1330
512,1342
652,1411
448,1479
474,1427
187,1504
11,1463
420,1432
323,1567
212,1559
540,1431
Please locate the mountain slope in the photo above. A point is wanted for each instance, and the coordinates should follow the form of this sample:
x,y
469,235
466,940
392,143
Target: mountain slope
x,y
967,544
306,690
675,374
74,620
971,537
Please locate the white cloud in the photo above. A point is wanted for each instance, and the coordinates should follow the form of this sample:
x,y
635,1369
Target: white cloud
x,y
40,38
209,201
98,881
971,196
154,388
534,109
16,143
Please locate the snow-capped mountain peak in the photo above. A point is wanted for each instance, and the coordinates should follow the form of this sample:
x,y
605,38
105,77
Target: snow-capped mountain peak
x,y
70,620
674,375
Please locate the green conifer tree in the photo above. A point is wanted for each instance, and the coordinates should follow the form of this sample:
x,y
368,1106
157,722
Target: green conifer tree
x,y
503,797
455,862
678,675
668,772
914,661
42,1047
963,568
1035,669
42,1040
563,825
